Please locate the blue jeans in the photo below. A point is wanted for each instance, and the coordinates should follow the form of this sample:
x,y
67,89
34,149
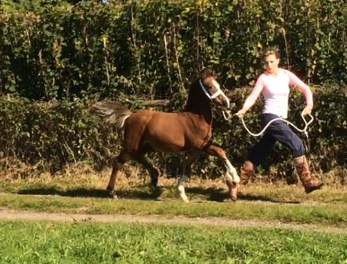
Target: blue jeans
x,y
276,131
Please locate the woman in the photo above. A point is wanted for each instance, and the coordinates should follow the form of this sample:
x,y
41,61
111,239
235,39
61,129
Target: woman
x,y
274,85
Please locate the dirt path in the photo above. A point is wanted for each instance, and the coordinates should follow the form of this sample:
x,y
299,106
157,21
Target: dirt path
x,y
12,215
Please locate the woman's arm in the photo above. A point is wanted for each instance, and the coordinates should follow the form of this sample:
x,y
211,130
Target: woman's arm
x,y
294,80
254,95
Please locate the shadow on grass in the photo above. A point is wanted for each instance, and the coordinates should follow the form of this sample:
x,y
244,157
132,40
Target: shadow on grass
x,y
220,195
80,192
254,198
93,193
142,192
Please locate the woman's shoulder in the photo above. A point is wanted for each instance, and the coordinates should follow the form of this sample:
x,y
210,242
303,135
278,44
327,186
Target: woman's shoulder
x,y
264,75
288,73
262,79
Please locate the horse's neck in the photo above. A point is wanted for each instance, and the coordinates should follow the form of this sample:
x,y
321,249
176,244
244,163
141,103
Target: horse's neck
x,y
200,108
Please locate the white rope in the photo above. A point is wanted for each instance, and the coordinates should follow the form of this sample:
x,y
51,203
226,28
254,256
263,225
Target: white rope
x,y
304,130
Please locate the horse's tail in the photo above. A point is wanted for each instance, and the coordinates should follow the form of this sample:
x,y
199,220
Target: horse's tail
x,y
111,112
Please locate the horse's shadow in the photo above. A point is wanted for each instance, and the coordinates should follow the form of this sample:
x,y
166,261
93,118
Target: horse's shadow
x,y
198,193
92,193
79,192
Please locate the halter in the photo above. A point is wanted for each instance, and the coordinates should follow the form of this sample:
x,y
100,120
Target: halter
x,y
213,96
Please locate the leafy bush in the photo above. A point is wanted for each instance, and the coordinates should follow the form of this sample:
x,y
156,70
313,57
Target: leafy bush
x,y
52,50
56,134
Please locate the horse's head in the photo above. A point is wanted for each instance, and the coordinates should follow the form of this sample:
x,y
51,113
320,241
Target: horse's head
x,y
211,88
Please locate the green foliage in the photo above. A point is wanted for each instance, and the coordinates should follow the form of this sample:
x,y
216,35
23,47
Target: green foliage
x,y
51,49
56,134
53,134
151,49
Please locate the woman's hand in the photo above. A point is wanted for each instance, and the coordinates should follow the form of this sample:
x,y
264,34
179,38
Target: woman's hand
x,y
241,113
308,110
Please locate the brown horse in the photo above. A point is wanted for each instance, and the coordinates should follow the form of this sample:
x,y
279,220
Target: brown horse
x,y
189,132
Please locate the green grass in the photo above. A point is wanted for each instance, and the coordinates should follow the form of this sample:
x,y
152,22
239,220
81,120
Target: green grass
x,y
42,242
94,186
326,207
83,242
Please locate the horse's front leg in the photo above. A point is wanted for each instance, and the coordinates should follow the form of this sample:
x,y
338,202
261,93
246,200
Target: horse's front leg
x,y
231,176
192,156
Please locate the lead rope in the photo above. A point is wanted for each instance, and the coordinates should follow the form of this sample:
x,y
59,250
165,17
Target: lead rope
x,y
304,130
227,116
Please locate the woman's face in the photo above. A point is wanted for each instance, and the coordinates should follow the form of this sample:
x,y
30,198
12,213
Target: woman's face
x,y
271,63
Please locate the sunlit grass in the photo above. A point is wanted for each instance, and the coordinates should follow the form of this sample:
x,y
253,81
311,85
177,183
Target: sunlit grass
x,y
86,194
44,242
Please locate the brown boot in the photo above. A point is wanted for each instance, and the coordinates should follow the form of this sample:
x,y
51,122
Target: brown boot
x,y
303,170
247,170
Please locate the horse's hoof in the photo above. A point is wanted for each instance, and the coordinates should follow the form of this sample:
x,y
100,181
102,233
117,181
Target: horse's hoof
x,y
154,184
232,196
233,191
182,193
153,187
184,197
112,195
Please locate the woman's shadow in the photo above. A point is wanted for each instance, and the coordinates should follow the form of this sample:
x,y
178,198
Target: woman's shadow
x,y
142,192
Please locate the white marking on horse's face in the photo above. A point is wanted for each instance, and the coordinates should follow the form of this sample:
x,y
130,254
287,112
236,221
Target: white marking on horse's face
x,y
216,84
219,92
214,95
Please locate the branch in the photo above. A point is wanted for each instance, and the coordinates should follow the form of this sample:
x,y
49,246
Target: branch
x,y
155,102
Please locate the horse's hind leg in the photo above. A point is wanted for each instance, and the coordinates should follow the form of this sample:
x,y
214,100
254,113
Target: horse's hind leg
x,y
149,167
118,164
186,174
153,172
231,176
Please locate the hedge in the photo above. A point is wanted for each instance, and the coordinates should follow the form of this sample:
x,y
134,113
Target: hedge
x,y
51,49
134,50
55,135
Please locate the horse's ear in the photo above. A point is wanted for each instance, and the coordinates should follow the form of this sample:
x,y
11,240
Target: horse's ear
x,y
207,72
